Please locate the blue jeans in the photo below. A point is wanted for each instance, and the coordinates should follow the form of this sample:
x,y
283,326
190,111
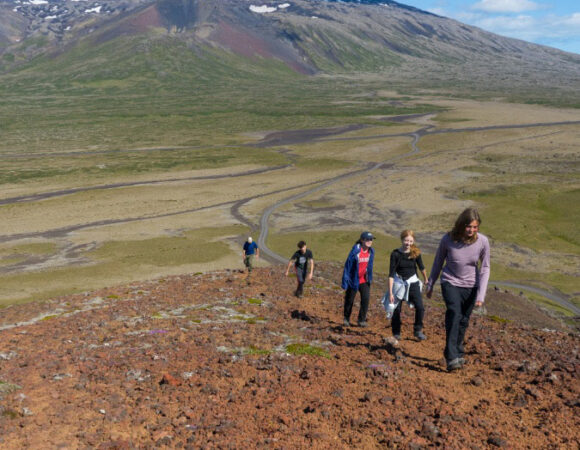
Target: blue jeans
x,y
459,302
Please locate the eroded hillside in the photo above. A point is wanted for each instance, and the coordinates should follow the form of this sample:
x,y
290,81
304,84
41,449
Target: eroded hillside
x,y
214,361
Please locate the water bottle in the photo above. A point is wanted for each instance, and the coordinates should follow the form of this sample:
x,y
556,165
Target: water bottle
x,y
391,309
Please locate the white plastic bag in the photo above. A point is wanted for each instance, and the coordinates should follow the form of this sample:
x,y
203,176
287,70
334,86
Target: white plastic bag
x,y
389,307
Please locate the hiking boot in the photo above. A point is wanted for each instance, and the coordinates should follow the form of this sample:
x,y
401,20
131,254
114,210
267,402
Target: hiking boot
x,y
397,337
420,335
363,324
454,364
462,360
346,323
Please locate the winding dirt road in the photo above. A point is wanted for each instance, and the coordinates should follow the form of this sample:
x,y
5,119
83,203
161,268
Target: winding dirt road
x,y
276,139
416,136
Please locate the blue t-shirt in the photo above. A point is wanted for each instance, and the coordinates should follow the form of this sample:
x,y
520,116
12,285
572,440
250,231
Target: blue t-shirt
x,y
250,249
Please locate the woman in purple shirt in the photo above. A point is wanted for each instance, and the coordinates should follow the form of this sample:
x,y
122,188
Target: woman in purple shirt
x,y
464,279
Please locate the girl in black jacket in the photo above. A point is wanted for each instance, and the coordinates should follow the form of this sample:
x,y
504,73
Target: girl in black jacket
x,y
403,280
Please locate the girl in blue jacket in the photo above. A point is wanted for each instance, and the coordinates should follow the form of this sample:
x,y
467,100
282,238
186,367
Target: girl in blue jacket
x,y
357,276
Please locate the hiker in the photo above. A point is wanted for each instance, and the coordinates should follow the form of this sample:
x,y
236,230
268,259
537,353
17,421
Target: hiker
x,y
463,284
405,286
301,259
250,250
358,276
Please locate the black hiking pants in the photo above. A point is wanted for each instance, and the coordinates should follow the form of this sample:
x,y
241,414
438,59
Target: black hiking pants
x,y
459,302
365,294
416,299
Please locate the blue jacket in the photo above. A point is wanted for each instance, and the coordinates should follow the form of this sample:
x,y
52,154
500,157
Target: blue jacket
x,y
350,273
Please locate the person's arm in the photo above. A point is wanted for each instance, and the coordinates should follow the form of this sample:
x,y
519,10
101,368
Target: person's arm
x,y
311,269
257,252
391,296
422,268
484,272
288,268
350,260
437,266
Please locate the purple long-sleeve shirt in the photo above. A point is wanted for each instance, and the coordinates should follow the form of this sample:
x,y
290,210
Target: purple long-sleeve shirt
x,y
461,264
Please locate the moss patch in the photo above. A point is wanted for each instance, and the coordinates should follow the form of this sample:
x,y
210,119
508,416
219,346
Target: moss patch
x,y
306,349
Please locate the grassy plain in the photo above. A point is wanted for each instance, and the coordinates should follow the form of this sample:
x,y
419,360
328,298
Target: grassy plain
x,y
153,163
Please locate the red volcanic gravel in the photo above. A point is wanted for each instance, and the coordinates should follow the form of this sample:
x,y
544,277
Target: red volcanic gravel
x,y
220,361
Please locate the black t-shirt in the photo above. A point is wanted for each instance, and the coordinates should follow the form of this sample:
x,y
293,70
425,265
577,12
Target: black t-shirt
x,y
301,259
403,265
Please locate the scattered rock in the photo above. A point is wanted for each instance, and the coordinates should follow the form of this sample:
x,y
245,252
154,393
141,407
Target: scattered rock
x,y
477,381
497,440
170,380
430,431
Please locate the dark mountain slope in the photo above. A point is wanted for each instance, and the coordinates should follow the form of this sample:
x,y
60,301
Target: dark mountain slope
x,y
382,40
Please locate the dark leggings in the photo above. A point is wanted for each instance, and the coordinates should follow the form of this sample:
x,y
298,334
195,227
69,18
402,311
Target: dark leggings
x,y
417,300
365,293
459,302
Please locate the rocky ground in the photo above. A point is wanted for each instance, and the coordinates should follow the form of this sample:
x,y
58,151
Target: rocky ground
x,y
220,361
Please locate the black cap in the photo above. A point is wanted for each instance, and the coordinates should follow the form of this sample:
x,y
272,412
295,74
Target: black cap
x,y
366,236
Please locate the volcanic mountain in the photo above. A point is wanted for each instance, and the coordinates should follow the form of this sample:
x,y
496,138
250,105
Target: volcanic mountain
x,y
383,38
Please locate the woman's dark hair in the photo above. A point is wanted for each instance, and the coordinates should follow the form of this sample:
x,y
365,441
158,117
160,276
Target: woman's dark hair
x,y
464,219
301,244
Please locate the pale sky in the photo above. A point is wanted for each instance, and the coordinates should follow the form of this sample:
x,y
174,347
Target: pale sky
x,y
555,23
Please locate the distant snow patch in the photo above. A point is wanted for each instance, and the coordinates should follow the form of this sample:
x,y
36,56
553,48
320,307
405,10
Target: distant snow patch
x,y
284,5
50,17
96,9
38,2
262,9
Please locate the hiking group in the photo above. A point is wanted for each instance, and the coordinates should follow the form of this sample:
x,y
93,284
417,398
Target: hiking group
x,y
462,260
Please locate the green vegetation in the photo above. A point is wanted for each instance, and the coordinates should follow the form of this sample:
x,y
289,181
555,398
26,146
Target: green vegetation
x,y
252,350
115,164
158,93
52,316
499,319
533,216
7,388
156,109
120,260
306,349
19,253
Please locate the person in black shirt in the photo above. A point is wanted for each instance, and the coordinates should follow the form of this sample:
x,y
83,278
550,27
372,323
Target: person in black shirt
x,y
300,260
405,285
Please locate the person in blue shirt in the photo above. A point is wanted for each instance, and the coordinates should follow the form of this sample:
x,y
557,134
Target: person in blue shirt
x,y
357,276
250,252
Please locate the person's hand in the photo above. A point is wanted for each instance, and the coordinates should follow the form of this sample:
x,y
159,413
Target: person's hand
x,y
310,276
429,292
286,274
479,304
391,298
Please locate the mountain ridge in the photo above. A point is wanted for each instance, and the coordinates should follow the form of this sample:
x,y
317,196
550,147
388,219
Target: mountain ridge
x,y
384,39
